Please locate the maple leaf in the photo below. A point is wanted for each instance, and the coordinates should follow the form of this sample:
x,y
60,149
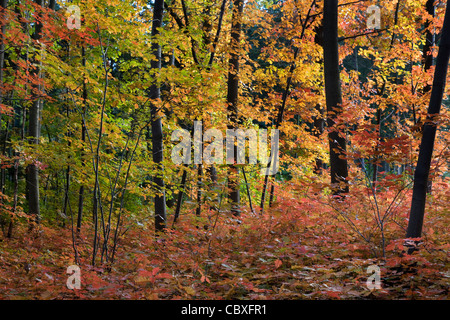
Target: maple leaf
x,y
278,263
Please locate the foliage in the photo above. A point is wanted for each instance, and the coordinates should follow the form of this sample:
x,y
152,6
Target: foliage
x,y
94,153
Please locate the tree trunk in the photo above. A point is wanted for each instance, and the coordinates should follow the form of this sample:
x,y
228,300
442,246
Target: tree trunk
x,y
375,164
83,139
429,133
67,186
232,100
156,124
319,125
333,95
32,176
427,58
198,210
3,4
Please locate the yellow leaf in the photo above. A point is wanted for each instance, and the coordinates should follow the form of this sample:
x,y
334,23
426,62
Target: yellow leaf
x,y
189,290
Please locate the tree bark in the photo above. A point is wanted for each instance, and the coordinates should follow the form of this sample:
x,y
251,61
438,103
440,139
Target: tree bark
x,y
32,172
156,124
427,58
3,4
83,139
422,171
67,186
232,100
333,95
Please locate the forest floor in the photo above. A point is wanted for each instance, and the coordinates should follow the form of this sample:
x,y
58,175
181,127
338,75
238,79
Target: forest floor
x,y
296,250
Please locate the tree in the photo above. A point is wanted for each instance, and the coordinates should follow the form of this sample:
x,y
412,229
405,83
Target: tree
x,y
3,5
422,170
83,140
232,99
427,55
34,133
156,123
333,95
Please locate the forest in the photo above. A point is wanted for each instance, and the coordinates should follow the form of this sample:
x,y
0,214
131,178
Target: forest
x,y
224,150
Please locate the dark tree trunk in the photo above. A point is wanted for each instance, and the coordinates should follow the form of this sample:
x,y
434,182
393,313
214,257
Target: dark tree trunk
x,y
232,100
272,193
333,95
156,124
248,191
429,133
427,58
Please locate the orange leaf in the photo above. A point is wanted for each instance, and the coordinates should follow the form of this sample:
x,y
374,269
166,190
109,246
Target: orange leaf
x,y
278,263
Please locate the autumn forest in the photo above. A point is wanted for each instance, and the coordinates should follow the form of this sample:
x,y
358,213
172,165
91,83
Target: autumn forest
x,y
224,150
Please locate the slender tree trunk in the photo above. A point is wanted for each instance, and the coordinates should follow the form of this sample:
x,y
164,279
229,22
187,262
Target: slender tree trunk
x,y
67,186
83,140
232,100
156,124
97,199
3,4
198,211
319,125
422,171
375,165
212,173
32,172
338,165
272,193
69,143
250,202
66,196
4,138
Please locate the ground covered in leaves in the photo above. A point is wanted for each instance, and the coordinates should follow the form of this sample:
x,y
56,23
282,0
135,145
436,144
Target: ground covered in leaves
x,y
299,249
